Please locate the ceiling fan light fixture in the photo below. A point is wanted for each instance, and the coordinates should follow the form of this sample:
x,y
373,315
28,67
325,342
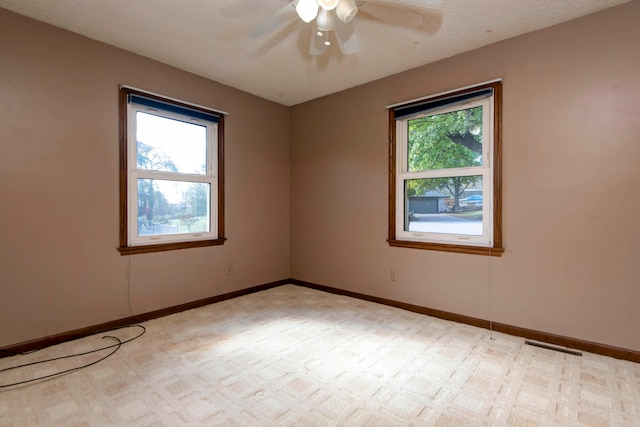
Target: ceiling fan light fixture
x,y
307,10
328,4
326,20
346,10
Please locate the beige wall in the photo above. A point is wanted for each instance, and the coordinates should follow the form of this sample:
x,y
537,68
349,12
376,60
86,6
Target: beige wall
x,y
571,186
571,179
59,267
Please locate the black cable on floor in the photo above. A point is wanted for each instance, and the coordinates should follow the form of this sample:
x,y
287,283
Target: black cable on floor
x,y
116,347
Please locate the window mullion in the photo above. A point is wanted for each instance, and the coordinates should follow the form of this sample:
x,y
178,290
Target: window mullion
x,y
445,173
168,176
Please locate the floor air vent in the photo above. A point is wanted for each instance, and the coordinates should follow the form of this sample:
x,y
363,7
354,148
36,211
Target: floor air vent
x,y
553,347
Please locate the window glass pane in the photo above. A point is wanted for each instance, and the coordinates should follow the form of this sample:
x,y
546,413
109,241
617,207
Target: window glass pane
x,y
172,207
170,145
451,205
444,141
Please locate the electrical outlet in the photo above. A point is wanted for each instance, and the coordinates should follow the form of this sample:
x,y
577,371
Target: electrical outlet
x,y
394,275
229,270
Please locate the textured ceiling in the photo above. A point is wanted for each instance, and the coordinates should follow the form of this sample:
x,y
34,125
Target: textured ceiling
x,y
211,37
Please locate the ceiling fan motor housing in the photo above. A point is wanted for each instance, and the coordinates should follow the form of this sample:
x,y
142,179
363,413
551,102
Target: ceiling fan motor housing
x,y
325,20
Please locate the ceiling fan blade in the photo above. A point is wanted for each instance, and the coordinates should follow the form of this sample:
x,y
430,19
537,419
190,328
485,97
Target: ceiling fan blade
x,y
241,8
431,22
347,37
316,43
411,3
265,45
273,22
423,3
398,15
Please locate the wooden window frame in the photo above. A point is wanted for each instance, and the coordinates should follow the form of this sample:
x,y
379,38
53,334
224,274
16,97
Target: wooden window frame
x,y
496,248
125,247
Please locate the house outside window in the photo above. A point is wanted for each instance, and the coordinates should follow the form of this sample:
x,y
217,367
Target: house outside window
x,y
172,174
445,172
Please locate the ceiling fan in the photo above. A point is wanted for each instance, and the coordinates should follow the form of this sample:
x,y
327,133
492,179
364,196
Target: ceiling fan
x,y
334,19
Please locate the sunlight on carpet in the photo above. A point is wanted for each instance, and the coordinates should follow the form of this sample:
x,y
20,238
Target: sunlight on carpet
x,y
301,357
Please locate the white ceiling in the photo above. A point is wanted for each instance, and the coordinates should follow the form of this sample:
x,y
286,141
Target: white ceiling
x,y
195,36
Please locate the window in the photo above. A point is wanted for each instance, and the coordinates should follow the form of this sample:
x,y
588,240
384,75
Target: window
x,y
171,174
445,172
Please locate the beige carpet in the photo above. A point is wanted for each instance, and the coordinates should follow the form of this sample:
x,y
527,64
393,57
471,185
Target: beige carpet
x,y
292,356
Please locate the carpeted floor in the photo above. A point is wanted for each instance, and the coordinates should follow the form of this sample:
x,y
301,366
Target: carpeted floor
x,y
291,356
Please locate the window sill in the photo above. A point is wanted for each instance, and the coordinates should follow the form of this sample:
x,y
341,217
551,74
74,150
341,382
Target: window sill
x,y
133,250
473,250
